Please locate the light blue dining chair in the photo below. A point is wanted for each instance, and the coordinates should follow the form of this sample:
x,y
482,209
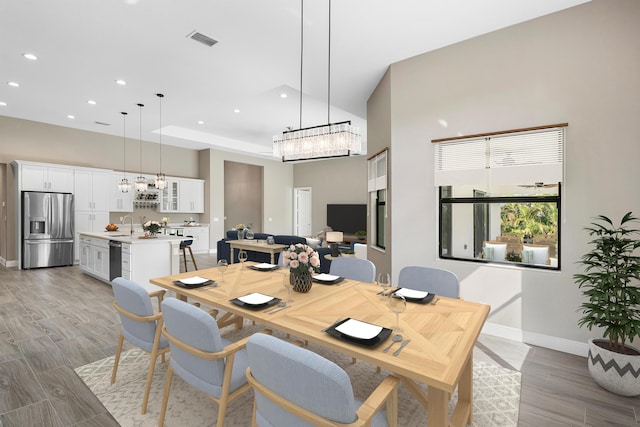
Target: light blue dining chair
x,y
296,387
435,280
201,357
140,326
362,270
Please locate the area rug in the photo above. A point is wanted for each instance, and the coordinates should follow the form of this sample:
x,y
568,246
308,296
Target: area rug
x,y
495,403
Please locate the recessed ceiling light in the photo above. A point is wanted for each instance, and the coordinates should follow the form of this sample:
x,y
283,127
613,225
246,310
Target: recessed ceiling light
x,y
70,116
30,56
91,101
14,84
283,95
121,82
3,104
200,122
237,110
443,123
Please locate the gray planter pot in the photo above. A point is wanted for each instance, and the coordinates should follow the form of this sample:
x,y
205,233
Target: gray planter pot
x,y
618,373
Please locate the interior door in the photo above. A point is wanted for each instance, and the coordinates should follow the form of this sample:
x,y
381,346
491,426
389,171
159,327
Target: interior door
x,y
302,211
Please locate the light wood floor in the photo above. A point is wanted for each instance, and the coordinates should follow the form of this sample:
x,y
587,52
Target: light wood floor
x,y
56,319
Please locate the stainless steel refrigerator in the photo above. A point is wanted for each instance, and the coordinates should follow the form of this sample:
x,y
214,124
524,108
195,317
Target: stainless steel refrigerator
x,y
47,229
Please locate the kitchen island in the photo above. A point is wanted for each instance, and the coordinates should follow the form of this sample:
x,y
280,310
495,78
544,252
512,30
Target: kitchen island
x,y
109,254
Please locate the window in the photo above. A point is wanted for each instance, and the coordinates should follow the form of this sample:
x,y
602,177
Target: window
x,y
500,197
377,187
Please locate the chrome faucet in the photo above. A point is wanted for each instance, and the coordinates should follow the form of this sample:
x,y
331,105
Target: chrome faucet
x,y
131,218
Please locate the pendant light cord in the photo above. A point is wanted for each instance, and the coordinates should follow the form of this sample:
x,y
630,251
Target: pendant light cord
x,y
159,95
140,105
301,55
124,144
329,71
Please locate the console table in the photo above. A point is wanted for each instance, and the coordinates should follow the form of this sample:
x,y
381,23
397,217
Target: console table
x,y
257,246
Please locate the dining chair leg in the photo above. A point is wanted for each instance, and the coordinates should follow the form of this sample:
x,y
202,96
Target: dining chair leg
x,y
253,416
165,398
153,357
184,257
117,359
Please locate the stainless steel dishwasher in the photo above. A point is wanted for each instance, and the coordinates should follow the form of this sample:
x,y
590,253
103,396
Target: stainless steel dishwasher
x,y
115,259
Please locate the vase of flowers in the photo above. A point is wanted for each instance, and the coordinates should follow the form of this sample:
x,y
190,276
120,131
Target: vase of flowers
x,y
151,228
302,261
240,228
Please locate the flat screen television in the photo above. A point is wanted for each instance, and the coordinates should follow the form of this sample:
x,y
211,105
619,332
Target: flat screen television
x,y
347,218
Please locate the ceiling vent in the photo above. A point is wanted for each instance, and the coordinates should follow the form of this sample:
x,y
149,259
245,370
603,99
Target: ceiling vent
x,y
102,123
199,37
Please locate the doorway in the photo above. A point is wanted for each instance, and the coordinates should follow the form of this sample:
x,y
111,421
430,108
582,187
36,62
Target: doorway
x,y
302,211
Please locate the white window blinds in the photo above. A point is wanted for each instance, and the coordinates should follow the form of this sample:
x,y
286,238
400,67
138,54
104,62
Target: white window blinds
x,y
378,172
513,158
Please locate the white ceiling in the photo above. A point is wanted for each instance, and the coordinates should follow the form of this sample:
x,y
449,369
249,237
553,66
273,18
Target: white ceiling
x,y
83,46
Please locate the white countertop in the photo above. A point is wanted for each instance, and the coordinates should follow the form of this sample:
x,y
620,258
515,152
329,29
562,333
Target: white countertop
x,y
136,238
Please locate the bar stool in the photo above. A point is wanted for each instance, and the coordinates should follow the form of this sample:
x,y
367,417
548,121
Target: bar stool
x,y
184,245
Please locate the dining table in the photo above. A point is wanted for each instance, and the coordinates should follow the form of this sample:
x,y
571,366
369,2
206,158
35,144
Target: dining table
x,y
439,336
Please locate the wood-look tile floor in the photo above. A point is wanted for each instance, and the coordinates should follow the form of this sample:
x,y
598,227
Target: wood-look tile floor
x,y
55,319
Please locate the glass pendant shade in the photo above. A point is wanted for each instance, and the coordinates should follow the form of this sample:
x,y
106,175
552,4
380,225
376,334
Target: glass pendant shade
x,y
161,181
141,183
332,140
124,185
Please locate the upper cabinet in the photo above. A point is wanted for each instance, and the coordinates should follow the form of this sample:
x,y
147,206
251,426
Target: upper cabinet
x,y
92,189
44,177
192,196
183,195
119,201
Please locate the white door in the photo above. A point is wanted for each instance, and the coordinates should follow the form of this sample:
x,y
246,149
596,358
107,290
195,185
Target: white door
x,y
302,211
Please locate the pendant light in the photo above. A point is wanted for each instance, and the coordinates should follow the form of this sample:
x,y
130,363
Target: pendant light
x,y
322,141
124,185
141,181
161,180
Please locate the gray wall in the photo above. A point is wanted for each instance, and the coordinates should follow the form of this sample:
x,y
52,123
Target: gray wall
x,y
580,66
340,180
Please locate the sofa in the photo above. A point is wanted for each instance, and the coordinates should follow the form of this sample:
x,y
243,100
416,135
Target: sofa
x,y
224,249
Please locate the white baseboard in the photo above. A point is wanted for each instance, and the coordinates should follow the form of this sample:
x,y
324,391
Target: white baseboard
x,y
541,340
8,264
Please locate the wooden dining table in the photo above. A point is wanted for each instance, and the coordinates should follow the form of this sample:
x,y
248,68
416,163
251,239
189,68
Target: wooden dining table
x,y
440,353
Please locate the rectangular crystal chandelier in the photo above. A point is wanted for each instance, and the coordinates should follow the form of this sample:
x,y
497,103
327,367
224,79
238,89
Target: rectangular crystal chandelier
x,y
318,142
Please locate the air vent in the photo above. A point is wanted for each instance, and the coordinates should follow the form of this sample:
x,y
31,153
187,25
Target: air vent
x,y
199,37
102,123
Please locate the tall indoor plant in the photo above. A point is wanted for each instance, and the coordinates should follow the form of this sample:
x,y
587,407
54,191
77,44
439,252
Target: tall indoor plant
x,y
610,282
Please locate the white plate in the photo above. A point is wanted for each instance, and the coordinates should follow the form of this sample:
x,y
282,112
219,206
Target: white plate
x,y
196,280
324,277
264,266
255,298
411,293
357,329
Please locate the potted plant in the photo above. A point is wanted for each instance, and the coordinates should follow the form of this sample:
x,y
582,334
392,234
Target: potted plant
x,y
361,234
610,283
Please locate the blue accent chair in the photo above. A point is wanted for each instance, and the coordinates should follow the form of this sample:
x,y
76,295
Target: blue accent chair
x,y
353,268
201,357
140,326
434,280
296,387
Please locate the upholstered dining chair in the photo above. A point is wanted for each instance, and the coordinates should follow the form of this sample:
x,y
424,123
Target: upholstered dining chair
x,y
201,357
294,387
353,268
140,326
438,281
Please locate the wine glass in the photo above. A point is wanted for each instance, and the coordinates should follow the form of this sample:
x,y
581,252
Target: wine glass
x,y
242,257
286,282
222,266
397,304
384,280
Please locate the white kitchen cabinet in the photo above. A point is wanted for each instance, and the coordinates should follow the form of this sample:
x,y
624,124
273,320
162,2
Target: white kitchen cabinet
x,y
191,196
46,177
200,238
88,222
170,201
92,189
94,257
119,201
